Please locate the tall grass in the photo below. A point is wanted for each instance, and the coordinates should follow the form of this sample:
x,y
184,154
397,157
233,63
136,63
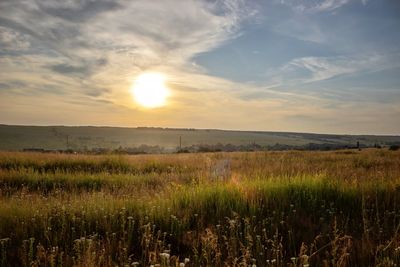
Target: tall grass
x,y
268,209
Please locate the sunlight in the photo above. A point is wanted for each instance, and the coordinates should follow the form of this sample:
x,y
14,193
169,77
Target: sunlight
x,y
149,90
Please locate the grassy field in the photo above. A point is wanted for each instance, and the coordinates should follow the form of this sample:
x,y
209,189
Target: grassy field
x,y
338,208
87,137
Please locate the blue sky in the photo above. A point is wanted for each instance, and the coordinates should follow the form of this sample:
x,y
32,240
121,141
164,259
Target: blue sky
x,y
327,66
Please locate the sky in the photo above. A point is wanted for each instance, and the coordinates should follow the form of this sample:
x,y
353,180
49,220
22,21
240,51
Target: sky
x,y
323,66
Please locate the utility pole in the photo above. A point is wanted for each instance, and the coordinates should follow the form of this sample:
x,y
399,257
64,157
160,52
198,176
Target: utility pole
x,y
180,143
67,141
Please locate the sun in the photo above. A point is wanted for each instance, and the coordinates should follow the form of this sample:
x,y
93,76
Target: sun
x,y
149,90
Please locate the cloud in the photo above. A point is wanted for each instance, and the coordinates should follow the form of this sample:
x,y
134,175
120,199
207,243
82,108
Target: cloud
x,y
315,69
11,40
323,68
311,6
84,70
329,5
68,69
150,28
12,84
78,58
107,43
77,11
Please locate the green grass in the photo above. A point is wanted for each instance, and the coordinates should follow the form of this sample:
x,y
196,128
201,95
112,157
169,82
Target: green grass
x,y
266,209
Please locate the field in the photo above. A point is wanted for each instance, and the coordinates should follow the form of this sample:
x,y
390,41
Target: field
x,y
292,208
88,137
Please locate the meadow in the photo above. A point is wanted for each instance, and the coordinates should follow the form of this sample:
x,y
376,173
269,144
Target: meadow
x,y
291,208
81,138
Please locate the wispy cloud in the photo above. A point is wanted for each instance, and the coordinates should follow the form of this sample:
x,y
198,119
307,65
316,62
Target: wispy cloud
x,y
11,40
315,69
311,6
86,43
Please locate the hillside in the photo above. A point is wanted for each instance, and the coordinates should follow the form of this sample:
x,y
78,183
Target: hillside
x,y
89,137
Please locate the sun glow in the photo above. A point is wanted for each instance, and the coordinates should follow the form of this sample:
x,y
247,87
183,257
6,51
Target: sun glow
x,y
149,90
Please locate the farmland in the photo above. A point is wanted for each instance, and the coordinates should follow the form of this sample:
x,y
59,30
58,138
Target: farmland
x,y
167,140
290,208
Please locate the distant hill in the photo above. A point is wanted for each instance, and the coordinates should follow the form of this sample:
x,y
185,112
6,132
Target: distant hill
x,y
89,137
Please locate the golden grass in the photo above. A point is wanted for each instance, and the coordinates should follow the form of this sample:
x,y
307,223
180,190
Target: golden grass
x,y
224,209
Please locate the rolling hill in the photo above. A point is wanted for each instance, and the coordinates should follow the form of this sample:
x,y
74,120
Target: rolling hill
x,y
89,137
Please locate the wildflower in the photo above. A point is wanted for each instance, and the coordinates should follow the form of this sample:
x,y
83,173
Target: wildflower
x,y
164,256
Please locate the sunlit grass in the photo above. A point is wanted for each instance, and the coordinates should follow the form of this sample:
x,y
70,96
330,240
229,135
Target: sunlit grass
x,y
266,209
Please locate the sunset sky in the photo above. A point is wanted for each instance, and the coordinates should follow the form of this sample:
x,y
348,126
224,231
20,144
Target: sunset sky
x,y
327,66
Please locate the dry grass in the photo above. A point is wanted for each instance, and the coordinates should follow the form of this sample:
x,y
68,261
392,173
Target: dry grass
x,y
225,209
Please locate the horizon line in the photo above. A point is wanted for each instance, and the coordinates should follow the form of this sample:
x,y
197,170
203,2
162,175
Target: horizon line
x,y
200,129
